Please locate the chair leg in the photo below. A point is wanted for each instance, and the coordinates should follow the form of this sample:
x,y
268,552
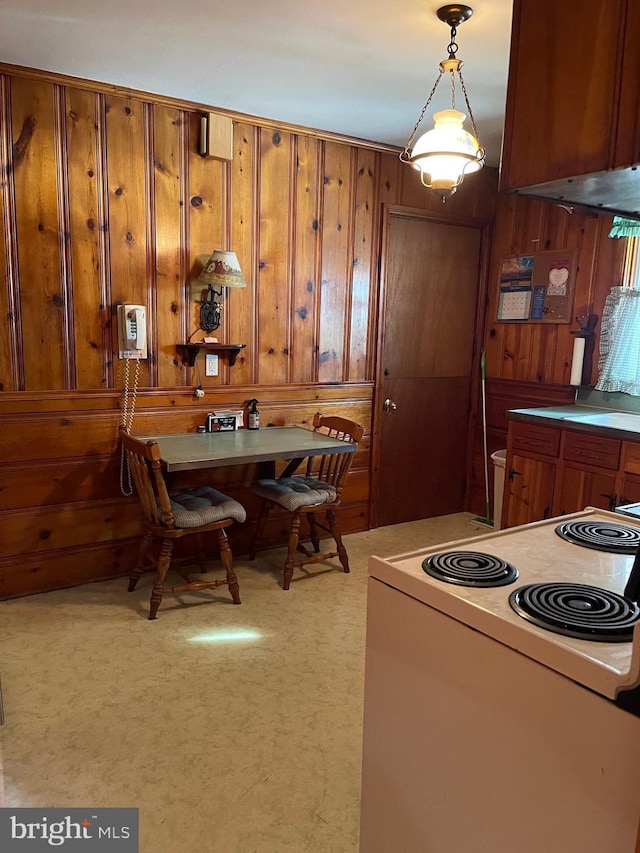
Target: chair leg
x,y
337,535
294,537
201,553
313,529
264,512
164,560
227,562
136,573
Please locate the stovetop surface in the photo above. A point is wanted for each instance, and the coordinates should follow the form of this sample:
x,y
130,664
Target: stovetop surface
x,y
540,556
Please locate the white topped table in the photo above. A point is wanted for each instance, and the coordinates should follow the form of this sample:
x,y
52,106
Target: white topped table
x,y
190,450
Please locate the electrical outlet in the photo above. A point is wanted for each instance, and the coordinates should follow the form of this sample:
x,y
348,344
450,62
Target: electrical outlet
x,y
210,364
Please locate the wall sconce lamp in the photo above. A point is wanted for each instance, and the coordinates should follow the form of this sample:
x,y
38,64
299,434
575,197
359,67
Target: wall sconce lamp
x,y
445,154
219,269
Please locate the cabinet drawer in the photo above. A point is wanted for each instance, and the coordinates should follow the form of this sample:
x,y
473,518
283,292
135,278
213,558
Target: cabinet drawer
x,y
529,438
631,457
591,450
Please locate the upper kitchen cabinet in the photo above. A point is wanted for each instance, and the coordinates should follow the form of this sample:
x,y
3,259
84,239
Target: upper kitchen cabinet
x,y
572,126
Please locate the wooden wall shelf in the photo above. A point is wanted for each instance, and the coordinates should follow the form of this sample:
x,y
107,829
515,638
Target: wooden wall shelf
x,y
189,352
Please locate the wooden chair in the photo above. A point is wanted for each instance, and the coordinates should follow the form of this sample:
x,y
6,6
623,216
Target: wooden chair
x,y
168,518
315,493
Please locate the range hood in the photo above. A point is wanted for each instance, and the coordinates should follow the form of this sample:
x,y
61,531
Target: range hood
x,y
615,191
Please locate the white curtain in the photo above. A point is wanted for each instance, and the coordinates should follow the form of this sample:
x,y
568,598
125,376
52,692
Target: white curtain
x,y
619,363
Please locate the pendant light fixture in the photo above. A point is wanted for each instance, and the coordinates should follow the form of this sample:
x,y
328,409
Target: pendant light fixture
x,y
445,154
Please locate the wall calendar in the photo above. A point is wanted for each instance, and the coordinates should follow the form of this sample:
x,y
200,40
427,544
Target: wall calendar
x,y
537,288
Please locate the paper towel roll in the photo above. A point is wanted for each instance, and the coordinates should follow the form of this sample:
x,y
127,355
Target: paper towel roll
x,y
578,361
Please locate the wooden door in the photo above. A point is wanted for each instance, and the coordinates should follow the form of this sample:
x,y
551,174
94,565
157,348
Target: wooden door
x,y
430,282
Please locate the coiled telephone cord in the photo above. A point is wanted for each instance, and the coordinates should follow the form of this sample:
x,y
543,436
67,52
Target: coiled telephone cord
x,y
128,412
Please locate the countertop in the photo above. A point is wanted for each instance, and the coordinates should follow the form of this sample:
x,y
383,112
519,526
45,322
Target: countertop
x,y
612,423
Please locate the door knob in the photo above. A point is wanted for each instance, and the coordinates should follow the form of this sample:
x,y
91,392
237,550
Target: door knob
x,y
389,406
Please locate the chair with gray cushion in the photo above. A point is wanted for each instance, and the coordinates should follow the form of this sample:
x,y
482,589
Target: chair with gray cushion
x,y
315,494
171,517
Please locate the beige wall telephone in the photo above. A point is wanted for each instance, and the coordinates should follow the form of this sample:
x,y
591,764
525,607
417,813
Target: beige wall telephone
x,y
132,331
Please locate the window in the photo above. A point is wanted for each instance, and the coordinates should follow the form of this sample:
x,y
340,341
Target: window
x,y
631,268
619,362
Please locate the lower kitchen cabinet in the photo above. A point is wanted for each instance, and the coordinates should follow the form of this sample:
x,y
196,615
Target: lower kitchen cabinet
x,y
629,489
578,488
556,471
529,488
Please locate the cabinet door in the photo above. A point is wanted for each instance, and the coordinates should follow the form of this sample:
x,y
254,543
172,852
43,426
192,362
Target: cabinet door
x,y
627,151
629,489
562,91
528,490
579,488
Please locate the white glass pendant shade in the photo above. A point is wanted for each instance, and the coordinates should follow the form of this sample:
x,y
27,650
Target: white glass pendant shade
x,y
445,154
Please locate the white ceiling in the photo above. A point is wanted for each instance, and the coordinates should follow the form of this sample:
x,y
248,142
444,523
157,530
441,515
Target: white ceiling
x,y
358,67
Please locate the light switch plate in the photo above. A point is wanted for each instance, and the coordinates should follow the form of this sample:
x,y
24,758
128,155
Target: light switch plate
x,y
210,364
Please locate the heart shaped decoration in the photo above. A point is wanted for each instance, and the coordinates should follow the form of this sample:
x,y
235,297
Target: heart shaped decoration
x,y
558,277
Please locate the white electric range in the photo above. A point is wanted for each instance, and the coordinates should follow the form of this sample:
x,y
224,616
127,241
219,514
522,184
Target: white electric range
x,y
490,729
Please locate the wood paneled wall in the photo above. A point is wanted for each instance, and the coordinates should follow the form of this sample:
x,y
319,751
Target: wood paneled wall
x,y
529,364
106,200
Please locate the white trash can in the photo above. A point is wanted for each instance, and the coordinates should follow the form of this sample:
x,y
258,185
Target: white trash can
x,y
499,459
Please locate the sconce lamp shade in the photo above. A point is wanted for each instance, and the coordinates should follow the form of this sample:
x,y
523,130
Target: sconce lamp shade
x,y
221,269
445,154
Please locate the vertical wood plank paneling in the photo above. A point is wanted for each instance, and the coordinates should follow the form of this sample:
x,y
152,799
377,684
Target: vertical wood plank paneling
x,y
483,185
91,314
527,237
150,241
362,265
305,285
583,236
496,332
389,185
206,232
67,344
127,213
9,380
337,254
273,274
240,303
36,222
170,251
528,227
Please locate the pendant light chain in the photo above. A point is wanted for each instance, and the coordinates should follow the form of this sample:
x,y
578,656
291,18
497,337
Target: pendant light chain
x,y
453,90
466,100
406,155
453,46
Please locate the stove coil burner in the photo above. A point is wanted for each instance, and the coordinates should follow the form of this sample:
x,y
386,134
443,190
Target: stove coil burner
x,y
601,535
470,568
577,610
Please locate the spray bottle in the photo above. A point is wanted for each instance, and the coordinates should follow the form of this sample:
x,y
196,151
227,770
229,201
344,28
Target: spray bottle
x,y
253,418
